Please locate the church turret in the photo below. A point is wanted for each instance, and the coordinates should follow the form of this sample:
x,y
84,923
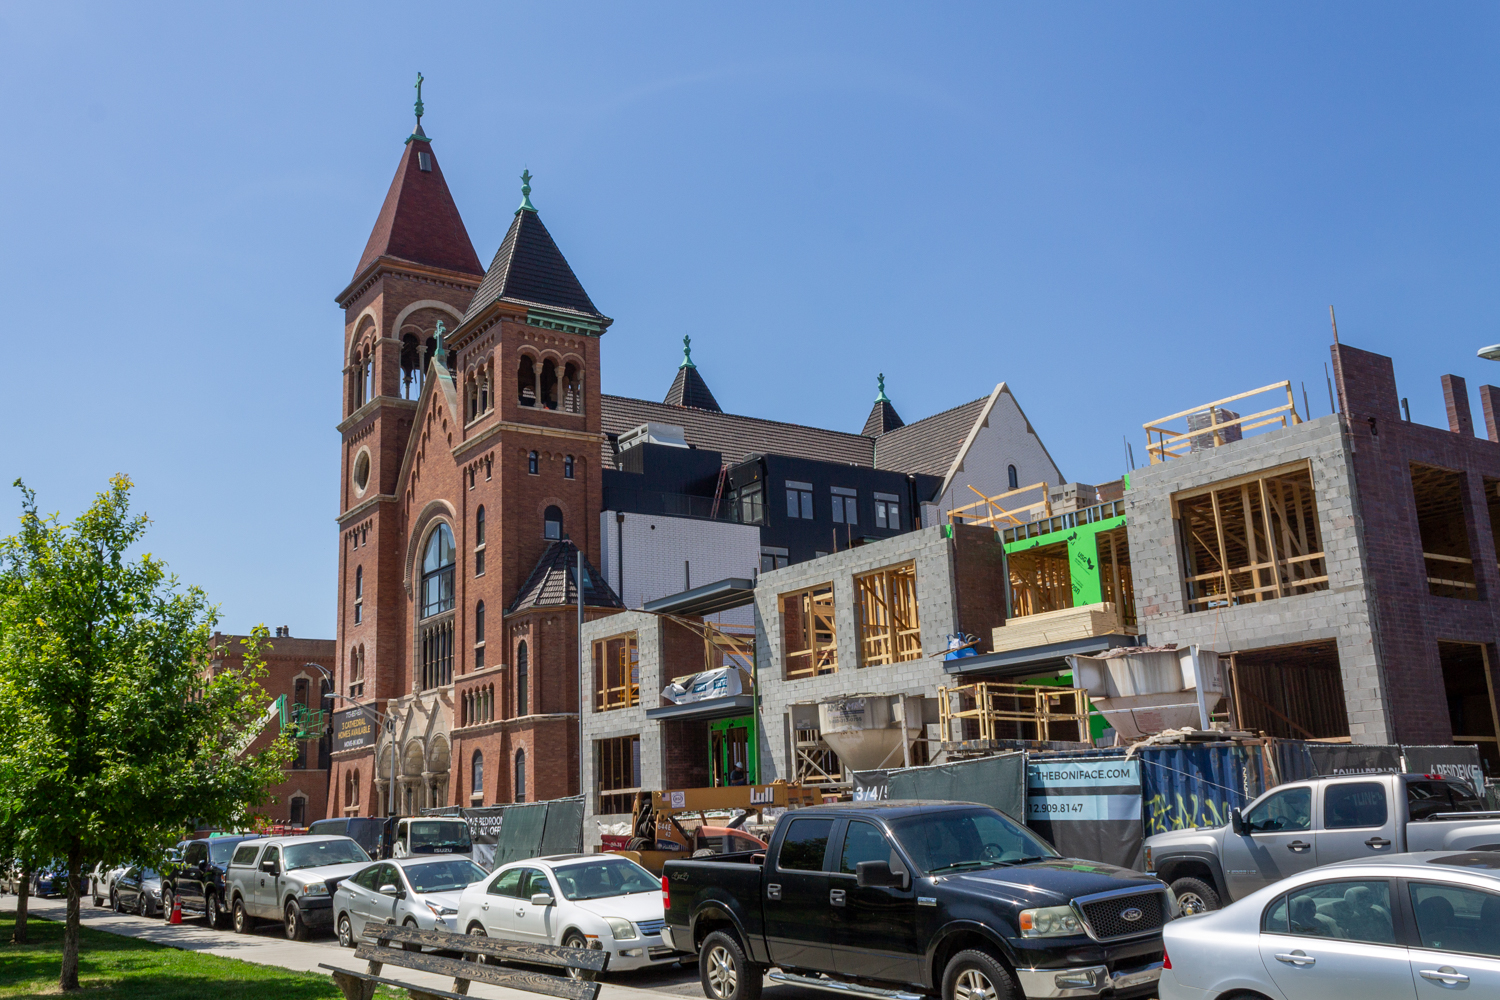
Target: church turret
x,y
688,388
883,416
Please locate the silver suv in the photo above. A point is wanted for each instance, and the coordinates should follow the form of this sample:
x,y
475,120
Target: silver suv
x,y
290,879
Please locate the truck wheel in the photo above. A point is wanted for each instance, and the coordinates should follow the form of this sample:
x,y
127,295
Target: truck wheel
x,y
243,922
296,927
976,975
725,972
212,914
1194,896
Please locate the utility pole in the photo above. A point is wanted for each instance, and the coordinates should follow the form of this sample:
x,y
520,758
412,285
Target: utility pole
x,y
580,672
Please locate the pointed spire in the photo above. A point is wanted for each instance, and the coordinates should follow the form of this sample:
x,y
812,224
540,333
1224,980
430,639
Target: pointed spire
x,y
687,352
526,205
883,416
688,388
418,221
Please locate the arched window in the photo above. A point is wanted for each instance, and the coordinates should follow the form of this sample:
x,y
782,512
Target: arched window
x,y
354,799
549,384
552,523
437,573
532,464
1011,477
411,367
476,776
526,382
359,594
520,775
568,467
522,669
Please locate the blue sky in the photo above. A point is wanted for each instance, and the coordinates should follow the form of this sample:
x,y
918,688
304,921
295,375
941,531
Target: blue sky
x,y
1120,210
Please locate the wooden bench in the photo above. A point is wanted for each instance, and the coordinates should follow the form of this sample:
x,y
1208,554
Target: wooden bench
x,y
387,944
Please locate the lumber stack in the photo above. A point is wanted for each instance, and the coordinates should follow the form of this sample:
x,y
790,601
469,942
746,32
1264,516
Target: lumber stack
x,y
1056,626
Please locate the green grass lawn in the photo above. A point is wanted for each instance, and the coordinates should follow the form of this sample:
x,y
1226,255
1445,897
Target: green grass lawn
x,y
123,968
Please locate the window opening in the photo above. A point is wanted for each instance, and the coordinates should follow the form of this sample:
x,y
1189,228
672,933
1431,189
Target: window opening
x,y
568,467
799,501
1470,697
359,594
424,162
1040,580
845,506
532,463
548,384
437,573
520,776
476,777
888,511
1251,539
522,665
809,638
411,367
527,382
773,558
1439,495
488,468
437,654
617,673
297,816
1012,478
618,767
886,605
751,505
552,523
479,526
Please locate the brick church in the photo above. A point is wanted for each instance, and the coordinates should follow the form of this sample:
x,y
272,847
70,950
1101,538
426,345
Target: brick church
x,y
476,442
470,480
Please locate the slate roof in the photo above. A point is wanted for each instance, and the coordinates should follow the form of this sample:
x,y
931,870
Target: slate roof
x,y
552,583
689,389
883,418
929,445
736,436
529,267
419,221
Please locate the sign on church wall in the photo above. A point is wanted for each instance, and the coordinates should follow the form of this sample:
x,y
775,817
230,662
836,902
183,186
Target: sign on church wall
x,y
352,730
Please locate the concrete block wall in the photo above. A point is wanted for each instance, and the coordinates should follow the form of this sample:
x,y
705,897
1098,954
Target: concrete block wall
x,y
1343,612
622,721
937,610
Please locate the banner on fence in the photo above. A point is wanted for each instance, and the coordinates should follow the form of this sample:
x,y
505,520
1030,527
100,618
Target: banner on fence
x,y
998,781
871,786
1087,808
1461,762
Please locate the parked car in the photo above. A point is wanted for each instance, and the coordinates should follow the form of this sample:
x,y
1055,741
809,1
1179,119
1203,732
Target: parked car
x,y
198,881
573,900
102,882
50,880
1406,927
895,898
138,891
291,879
421,892
1305,824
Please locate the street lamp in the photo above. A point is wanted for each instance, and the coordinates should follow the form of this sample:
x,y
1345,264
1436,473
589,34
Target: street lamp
x,y
1491,353
385,721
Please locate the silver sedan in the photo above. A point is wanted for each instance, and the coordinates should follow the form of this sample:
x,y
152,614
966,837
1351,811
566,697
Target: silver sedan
x,y
419,892
1408,927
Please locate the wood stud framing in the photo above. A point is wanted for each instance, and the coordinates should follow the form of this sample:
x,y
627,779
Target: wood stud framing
x,y
617,673
809,636
889,630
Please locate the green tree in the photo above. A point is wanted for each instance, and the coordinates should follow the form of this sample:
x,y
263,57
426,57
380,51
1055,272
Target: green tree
x,y
116,733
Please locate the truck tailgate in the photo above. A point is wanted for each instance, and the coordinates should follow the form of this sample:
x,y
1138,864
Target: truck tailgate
x,y
711,889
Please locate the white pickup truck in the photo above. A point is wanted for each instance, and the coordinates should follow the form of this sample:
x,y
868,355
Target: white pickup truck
x,y
1305,824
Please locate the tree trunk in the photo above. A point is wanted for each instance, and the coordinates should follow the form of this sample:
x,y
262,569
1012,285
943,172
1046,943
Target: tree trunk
x,y
23,896
68,978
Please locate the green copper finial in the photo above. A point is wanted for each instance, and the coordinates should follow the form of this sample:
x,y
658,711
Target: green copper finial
x,y
419,98
882,398
440,353
526,205
687,352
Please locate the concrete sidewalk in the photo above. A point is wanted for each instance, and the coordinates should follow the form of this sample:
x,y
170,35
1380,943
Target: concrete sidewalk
x,y
267,945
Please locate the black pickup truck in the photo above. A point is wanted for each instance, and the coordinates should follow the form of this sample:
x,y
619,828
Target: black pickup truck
x,y
902,900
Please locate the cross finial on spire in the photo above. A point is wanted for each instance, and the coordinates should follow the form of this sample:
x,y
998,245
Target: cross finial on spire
x,y
687,352
419,98
882,398
526,205
440,353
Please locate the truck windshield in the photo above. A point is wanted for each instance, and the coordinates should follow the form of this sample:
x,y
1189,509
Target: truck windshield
x,y
324,852
597,879
948,840
440,837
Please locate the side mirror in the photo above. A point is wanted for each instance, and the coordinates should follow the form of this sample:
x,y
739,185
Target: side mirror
x,y
541,899
270,867
1237,821
203,866
879,874
391,890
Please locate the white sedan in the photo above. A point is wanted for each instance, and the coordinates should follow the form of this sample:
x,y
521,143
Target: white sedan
x,y
419,892
1406,927
574,900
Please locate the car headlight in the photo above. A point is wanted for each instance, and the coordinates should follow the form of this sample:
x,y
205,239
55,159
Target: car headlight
x,y
441,911
622,929
315,889
1050,921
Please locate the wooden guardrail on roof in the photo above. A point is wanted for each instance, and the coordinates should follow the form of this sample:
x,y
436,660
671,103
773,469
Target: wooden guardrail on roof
x,y
1163,442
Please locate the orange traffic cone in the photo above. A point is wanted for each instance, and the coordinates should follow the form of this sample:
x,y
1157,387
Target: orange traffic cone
x,y
176,917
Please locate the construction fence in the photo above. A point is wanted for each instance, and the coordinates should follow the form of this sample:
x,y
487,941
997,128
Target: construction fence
x,y
502,834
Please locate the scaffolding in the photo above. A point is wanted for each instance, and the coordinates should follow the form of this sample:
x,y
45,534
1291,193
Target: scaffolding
x,y
815,764
1211,426
990,710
